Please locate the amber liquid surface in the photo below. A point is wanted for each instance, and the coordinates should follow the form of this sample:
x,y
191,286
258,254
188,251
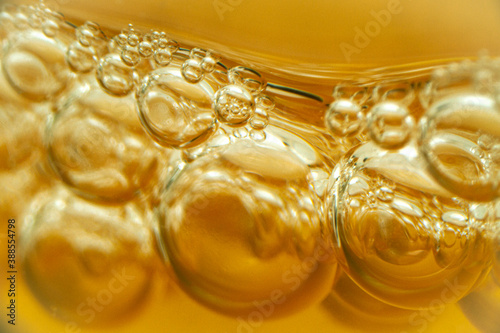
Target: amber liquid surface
x,y
157,186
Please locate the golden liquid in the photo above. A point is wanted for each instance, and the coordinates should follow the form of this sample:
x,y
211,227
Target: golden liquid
x,y
124,224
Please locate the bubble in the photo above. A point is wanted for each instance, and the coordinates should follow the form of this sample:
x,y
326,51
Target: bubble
x,y
50,28
260,119
35,66
176,113
121,39
191,71
133,39
234,105
130,56
84,35
21,20
81,59
240,133
452,132
344,118
162,57
146,49
198,54
481,77
172,46
401,237
97,154
248,78
77,255
114,76
258,136
208,64
356,94
390,125
235,223
402,93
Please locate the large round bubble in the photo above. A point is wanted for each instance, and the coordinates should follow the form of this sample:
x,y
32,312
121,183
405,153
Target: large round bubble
x,y
243,228
97,147
401,236
89,264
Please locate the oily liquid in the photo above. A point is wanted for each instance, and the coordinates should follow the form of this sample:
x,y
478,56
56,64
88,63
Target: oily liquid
x,y
231,231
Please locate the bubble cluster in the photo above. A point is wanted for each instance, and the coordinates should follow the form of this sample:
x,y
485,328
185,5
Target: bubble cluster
x,y
200,63
234,105
134,47
82,54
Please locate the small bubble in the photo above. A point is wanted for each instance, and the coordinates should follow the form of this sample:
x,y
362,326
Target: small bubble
x,y
84,35
258,135
356,94
248,78
240,133
390,125
486,141
344,118
191,71
264,102
260,119
35,20
146,49
208,64
133,39
173,46
198,54
114,76
384,193
155,35
233,105
402,93
162,57
130,56
121,39
81,59
21,21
